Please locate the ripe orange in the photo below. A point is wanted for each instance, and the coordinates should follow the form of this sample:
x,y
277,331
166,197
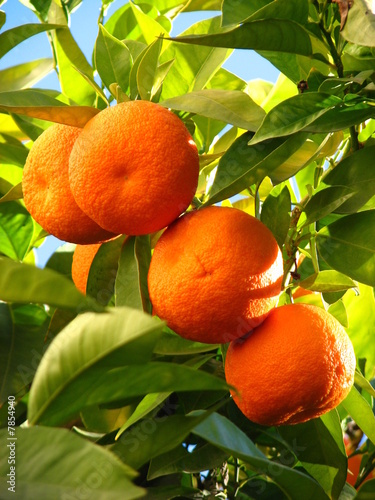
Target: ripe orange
x,y
134,169
46,190
215,274
298,364
82,259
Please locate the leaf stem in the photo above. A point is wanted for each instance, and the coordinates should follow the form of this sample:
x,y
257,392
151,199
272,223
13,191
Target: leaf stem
x,y
335,55
354,138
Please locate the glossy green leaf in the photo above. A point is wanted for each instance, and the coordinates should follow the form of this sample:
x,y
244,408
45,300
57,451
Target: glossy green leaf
x,y
354,173
14,36
74,371
44,287
147,71
363,383
243,164
24,75
180,460
112,59
39,104
276,213
16,230
294,114
361,412
319,446
325,202
170,343
348,245
360,25
222,433
235,12
22,332
82,466
152,437
131,282
194,66
149,27
103,270
280,35
69,56
234,107
361,332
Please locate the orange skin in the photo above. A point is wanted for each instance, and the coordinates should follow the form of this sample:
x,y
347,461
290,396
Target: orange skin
x,y
134,168
297,365
215,274
82,259
354,464
46,189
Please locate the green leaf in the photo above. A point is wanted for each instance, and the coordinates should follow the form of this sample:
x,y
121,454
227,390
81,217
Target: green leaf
x,y
366,491
72,373
230,106
235,12
348,245
24,75
39,104
16,230
279,35
12,151
152,437
325,202
103,270
361,412
11,38
338,310
361,332
363,383
180,460
131,281
149,27
82,466
44,287
14,193
223,434
294,114
170,343
276,213
147,81
243,164
354,173
22,332
112,59
61,260
327,281
69,56
360,25
319,446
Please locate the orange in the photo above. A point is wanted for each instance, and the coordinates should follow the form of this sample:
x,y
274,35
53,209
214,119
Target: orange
x,y
215,274
82,259
354,463
298,364
46,190
134,169
301,292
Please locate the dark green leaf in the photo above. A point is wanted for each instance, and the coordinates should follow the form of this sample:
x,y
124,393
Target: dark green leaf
x,y
16,230
361,412
353,172
170,343
44,286
294,114
65,465
11,38
366,491
279,35
223,434
112,59
131,281
22,332
360,25
74,372
276,213
230,106
243,164
24,75
327,281
319,446
12,151
348,245
325,202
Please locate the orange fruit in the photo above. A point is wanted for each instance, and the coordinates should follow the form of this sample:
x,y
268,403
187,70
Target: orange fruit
x,y
46,190
134,169
298,364
354,463
301,292
215,274
82,259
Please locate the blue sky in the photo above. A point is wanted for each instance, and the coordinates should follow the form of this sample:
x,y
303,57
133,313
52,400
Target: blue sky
x,y
246,64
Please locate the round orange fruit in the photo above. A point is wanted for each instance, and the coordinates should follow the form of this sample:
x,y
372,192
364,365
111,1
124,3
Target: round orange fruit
x,y
297,365
134,169
215,274
46,189
82,259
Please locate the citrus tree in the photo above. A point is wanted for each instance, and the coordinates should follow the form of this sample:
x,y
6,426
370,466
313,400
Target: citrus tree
x,y
100,398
